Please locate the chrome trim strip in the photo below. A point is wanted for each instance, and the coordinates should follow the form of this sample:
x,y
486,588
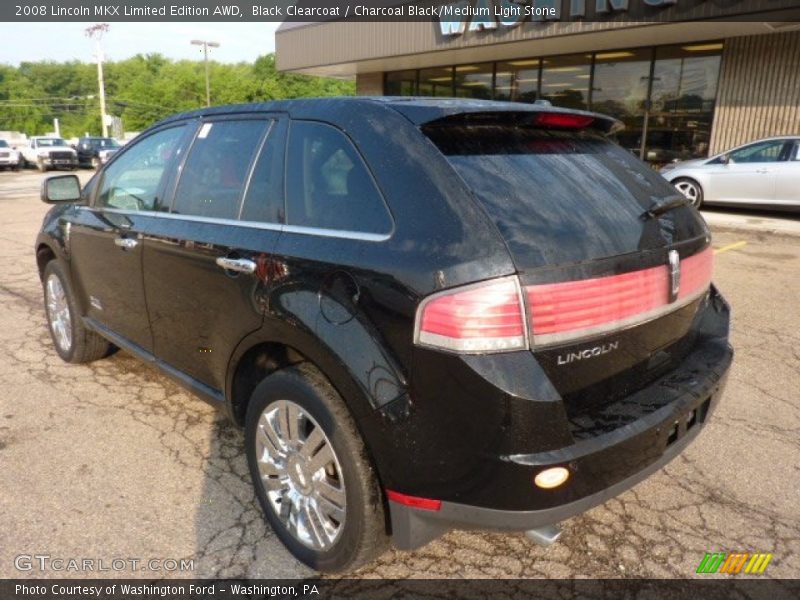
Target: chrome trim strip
x,y
318,231
336,233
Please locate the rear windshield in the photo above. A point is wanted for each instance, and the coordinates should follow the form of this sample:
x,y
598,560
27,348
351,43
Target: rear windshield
x,y
558,197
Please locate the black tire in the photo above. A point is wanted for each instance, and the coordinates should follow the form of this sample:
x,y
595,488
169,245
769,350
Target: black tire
x,y
684,184
85,345
363,536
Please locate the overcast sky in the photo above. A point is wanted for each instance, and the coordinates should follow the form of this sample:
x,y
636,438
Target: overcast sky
x,y
66,41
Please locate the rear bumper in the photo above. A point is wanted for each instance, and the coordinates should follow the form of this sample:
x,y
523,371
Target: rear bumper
x,y
601,467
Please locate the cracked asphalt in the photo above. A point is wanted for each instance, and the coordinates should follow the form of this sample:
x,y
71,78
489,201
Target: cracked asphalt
x,y
113,460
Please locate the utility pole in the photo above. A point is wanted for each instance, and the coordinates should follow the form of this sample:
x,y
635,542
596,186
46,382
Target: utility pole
x,y
206,45
96,32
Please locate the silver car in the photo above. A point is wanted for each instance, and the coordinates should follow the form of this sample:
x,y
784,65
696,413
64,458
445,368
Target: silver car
x,y
762,173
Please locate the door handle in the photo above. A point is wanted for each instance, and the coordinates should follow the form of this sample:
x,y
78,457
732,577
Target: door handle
x,y
762,170
240,265
126,243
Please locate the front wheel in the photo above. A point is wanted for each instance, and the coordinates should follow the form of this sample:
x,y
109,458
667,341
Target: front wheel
x,y
72,340
691,189
311,472
41,166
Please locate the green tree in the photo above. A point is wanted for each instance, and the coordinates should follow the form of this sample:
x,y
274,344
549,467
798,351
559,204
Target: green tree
x,y
141,90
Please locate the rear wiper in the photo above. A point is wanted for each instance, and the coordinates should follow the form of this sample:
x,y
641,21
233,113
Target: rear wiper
x,y
659,208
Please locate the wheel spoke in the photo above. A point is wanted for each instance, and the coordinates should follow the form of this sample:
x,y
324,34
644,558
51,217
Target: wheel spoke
x,y
269,437
312,442
328,508
313,526
321,459
291,415
332,494
268,468
285,508
275,484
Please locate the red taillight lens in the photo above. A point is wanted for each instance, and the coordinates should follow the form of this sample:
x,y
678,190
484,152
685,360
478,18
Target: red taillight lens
x,y
696,273
564,120
563,312
486,317
590,305
414,501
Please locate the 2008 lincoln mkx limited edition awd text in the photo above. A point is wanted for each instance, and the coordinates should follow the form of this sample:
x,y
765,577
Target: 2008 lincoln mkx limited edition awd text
x,y
427,314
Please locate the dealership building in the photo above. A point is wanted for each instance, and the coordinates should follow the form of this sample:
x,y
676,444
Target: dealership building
x,y
683,88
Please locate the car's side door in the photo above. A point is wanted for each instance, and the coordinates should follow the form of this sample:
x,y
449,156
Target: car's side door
x,y
105,239
749,175
787,177
206,260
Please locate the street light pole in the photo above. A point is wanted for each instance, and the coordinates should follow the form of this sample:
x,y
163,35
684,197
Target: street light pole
x,y
206,45
96,32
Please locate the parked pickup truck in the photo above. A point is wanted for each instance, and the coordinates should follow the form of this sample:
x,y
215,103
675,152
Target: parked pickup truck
x,y
49,153
9,157
95,151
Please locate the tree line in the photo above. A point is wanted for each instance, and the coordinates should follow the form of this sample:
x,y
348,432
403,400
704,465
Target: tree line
x,y
140,90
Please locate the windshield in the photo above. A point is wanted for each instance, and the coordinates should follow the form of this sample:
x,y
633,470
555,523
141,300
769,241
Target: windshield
x,y
559,197
47,142
101,143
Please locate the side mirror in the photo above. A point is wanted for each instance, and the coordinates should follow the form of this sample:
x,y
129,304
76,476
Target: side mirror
x,y
61,189
724,159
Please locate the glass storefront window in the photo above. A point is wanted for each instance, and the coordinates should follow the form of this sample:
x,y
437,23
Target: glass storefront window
x,y
518,80
565,80
401,83
673,122
436,82
682,101
474,81
619,89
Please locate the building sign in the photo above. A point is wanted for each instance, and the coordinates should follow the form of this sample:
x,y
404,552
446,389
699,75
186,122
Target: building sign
x,y
463,16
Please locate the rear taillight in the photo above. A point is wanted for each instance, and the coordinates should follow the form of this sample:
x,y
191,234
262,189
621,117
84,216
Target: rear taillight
x,y
490,316
572,310
486,317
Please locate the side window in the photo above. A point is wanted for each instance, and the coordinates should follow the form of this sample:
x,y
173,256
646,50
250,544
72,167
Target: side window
x,y
328,185
216,169
758,153
263,201
132,181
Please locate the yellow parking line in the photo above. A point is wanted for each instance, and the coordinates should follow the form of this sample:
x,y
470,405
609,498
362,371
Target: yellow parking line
x,y
733,246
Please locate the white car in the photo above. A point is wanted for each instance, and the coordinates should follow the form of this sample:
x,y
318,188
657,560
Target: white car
x,y
49,153
9,157
763,173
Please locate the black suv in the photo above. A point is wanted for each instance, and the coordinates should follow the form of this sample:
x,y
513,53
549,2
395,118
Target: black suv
x,y
426,313
95,151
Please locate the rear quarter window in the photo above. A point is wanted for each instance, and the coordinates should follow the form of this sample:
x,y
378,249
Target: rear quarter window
x,y
328,185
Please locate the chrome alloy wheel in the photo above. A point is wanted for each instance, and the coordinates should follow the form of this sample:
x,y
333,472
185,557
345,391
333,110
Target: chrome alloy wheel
x,y
690,190
58,313
301,474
